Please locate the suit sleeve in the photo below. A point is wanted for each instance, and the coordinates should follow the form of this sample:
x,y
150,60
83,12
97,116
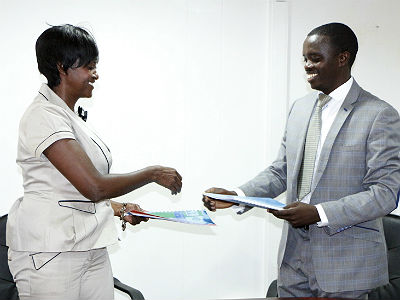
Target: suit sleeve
x,y
381,182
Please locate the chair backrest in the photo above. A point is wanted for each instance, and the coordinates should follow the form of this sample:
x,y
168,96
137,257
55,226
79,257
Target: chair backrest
x,y
272,289
8,289
391,226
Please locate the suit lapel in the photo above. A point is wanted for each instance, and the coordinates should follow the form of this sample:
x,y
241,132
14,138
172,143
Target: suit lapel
x,y
341,117
304,114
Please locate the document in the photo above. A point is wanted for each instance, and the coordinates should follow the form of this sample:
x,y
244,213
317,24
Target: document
x,y
249,201
197,217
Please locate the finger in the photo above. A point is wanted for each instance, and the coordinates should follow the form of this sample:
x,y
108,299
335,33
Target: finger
x,y
291,205
178,175
178,186
280,217
207,199
176,183
213,205
208,190
136,220
172,187
128,219
283,212
273,212
210,205
133,206
133,220
280,214
212,190
142,219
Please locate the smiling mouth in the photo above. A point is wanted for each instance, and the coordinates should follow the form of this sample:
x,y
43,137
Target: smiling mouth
x,y
311,76
91,84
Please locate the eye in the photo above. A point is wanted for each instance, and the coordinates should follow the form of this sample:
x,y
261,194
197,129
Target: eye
x,y
91,68
315,58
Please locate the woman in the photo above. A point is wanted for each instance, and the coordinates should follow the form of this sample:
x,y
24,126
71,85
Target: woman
x,y
58,231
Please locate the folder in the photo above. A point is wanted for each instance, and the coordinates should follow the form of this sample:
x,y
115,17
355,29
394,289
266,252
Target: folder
x,y
267,203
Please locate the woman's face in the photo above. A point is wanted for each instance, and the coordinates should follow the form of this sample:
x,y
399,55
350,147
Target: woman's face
x,y
79,81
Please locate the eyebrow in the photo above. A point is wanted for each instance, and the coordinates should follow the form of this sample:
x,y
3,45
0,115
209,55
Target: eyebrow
x,y
312,54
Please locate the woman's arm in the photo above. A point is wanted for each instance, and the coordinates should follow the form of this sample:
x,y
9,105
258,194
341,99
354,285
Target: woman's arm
x,y
72,161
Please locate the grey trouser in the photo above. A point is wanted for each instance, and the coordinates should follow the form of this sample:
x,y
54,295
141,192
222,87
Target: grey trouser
x,y
62,275
297,276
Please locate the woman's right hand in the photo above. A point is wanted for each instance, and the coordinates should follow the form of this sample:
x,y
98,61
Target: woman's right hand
x,y
167,177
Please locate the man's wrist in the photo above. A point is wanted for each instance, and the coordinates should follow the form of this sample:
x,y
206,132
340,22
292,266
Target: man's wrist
x,y
238,192
322,215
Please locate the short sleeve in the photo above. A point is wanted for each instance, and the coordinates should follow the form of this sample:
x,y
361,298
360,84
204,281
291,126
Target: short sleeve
x,y
41,126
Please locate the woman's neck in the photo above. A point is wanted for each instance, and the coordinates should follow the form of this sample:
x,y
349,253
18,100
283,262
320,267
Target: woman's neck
x,y
65,95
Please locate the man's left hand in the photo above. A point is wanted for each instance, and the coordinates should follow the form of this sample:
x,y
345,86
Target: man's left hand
x,y
298,214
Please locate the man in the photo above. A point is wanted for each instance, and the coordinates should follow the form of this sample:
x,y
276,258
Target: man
x,y
339,164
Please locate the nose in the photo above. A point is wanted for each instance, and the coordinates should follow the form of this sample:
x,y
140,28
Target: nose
x,y
95,75
307,65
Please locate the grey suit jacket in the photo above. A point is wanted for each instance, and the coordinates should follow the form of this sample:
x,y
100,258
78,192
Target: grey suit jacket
x,y
357,182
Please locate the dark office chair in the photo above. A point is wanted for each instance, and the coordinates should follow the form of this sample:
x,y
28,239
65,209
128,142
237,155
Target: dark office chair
x,y
273,289
391,227
8,289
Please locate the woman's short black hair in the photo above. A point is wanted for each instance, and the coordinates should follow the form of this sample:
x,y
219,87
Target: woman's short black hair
x,y
67,45
341,36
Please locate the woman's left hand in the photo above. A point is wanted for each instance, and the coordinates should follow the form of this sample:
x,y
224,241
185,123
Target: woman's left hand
x,y
134,220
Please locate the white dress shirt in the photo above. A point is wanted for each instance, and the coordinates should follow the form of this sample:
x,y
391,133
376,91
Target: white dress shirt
x,y
328,115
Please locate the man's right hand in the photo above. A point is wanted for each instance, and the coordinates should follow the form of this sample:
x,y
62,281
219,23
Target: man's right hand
x,y
213,204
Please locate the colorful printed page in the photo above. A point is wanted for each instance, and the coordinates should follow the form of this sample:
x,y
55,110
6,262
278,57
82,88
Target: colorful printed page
x,y
197,217
249,201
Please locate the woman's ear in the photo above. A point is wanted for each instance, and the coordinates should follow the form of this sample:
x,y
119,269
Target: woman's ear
x,y
60,69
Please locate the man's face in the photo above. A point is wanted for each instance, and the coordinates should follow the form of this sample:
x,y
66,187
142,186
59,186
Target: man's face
x,y
322,64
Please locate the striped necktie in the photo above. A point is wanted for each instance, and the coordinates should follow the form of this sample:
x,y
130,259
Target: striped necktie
x,y
310,148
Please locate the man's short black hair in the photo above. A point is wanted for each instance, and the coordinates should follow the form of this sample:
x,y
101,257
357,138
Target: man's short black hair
x,y
67,45
341,36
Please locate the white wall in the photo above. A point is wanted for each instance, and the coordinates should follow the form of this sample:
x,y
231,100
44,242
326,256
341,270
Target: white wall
x,y
200,85
182,83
